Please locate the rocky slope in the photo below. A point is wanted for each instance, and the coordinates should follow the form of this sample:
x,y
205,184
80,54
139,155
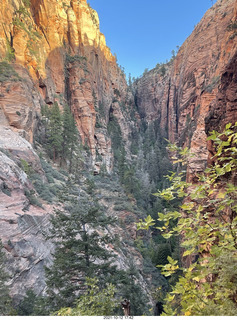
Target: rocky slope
x,y
196,92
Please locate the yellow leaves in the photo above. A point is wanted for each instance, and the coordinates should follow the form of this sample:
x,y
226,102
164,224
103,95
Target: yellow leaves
x,y
187,313
170,268
187,206
221,195
197,279
189,252
64,312
146,224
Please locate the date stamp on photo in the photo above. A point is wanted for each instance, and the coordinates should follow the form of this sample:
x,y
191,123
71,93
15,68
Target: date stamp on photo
x,y
118,317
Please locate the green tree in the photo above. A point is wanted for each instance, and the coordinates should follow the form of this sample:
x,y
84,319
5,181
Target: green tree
x,y
95,302
80,234
133,292
208,228
27,305
55,138
69,137
5,300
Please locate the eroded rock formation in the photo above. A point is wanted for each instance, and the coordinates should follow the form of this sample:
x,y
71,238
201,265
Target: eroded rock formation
x,y
65,56
196,91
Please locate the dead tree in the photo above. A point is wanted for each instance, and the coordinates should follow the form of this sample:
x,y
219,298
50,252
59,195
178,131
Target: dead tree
x,y
126,307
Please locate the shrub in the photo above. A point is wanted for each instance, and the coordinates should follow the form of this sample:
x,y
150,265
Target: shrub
x,y
5,189
7,72
32,199
232,26
50,172
26,167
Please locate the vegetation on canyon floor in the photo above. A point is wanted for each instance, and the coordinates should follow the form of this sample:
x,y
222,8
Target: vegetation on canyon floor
x,y
201,273
207,224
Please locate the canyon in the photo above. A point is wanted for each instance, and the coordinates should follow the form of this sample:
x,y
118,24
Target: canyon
x,y
53,52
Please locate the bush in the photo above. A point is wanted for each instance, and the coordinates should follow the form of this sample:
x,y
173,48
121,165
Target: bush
x,y
32,199
5,189
121,207
50,172
7,73
45,191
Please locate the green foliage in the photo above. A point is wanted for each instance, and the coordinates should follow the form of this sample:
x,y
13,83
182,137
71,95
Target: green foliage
x,y
7,73
55,137
117,92
95,302
26,3
133,292
26,306
50,172
232,26
115,132
145,224
69,135
160,67
76,58
30,194
26,166
61,135
5,189
214,82
10,53
79,247
46,191
160,256
5,300
208,226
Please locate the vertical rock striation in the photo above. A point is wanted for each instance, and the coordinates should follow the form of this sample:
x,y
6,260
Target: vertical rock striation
x,y
64,54
192,93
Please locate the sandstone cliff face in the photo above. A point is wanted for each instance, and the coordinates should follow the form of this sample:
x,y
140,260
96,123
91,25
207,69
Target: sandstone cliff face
x,y
198,84
65,55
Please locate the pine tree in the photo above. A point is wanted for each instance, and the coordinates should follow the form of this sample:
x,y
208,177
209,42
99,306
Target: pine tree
x,y
133,292
80,235
55,138
5,300
69,135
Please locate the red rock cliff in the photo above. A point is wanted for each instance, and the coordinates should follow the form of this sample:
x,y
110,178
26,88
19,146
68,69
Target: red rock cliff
x,y
57,47
199,84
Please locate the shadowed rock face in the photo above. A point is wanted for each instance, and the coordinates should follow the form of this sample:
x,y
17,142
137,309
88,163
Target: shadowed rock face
x,y
224,108
198,88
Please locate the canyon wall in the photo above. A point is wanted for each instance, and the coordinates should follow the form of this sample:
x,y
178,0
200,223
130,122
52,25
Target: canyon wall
x,y
58,50
195,92
51,51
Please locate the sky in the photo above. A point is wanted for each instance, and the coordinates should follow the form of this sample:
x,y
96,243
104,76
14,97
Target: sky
x,y
143,33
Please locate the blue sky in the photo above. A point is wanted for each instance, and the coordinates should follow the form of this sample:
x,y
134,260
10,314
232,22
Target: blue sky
x,y
144,32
